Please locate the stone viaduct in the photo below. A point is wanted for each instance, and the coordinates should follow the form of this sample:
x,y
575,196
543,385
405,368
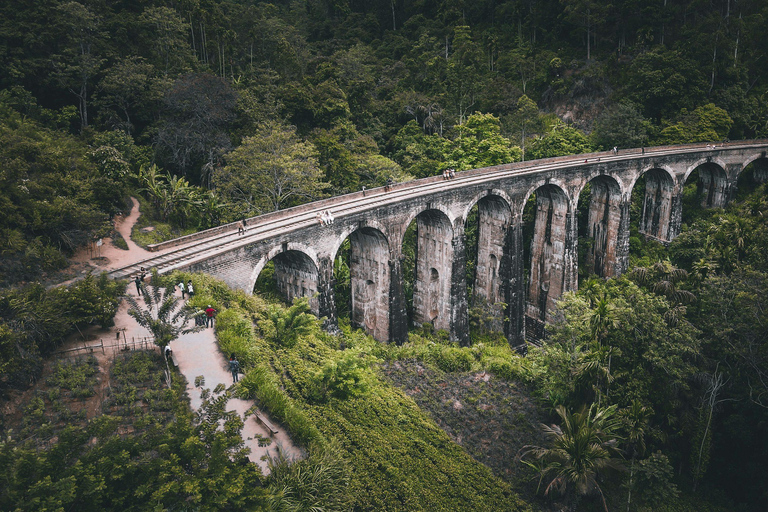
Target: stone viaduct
x,y
303,250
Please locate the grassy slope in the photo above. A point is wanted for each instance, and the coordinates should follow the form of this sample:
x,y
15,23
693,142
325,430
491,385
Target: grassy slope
x,y
400,459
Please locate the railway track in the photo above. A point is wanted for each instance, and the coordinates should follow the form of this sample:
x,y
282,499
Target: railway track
x,y
341,206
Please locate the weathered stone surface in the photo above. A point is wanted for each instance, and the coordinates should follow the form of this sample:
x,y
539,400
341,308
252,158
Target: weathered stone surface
x,y
712,186
369,280
296,276
603,226
548,251
434,264
493,218
657,206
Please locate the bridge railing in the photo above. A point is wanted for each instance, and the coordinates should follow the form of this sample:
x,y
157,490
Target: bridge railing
x,y
330,202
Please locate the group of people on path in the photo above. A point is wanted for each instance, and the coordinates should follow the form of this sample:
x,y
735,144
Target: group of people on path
x,y
210,312
449,174
325,218
190,290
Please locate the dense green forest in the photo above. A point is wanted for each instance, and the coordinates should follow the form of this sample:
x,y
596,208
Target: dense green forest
x,y
654,385
93,94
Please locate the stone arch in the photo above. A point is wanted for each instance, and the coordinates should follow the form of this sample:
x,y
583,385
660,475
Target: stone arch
x,y
602,224
665,168
434,209
712,161
548,251
712,184
490,192
434,254
751,159
370,281
348,230
759,169
296,275
262,262
539,184
656,218
596,174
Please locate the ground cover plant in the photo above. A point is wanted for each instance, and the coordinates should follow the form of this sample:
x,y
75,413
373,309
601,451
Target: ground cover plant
x,y
137,446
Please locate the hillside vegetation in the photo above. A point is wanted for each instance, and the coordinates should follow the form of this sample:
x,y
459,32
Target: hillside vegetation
x,y
652,387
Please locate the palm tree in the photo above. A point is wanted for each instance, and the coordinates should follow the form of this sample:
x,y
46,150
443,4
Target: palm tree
x,y
663,279
291,323
152,182
581,448
603,317
636,418
210,208
163,315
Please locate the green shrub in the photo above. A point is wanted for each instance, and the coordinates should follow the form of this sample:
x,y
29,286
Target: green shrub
x,y
343,378
454,359
77,376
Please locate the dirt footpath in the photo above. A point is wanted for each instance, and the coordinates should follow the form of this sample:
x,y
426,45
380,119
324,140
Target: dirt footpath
x,y
197,353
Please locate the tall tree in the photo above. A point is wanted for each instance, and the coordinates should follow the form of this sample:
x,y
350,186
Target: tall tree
x,y
271,170
192,136
79,61
465,70
589,15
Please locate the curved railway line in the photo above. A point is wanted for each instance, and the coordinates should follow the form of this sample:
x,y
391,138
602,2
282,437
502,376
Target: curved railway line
x,y
266,226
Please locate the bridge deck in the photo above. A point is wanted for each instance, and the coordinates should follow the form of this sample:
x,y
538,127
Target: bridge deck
x,y
184,251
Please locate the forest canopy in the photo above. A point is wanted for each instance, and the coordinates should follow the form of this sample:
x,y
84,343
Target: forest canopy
x,y
210,111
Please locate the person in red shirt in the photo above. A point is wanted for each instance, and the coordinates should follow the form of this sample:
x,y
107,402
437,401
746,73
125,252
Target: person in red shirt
x,y
209,315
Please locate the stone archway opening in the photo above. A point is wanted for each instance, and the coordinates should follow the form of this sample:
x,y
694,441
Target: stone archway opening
x,y
547,268
753,175
427,265
706,187
362,282
289,275
651,209
485,234
599,219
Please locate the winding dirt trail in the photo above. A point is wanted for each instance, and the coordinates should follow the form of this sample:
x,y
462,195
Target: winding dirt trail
x,y
197,353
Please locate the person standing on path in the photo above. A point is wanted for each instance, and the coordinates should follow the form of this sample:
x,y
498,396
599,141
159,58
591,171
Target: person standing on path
x,y
209,315
190,290
137,280
181,287
234,367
